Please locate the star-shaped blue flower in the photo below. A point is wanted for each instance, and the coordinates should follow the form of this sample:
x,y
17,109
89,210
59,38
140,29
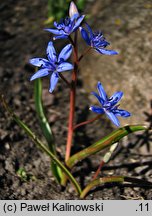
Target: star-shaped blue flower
x,y
53,65
66,26
96,41
109,106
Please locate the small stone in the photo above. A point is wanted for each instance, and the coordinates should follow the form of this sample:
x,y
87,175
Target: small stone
x,y
7,146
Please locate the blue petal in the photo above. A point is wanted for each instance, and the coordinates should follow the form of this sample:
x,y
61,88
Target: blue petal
x,y
101,91
39,62
65,66
98,97
74,17
96,109
78,22
51,53
85,36
40,73
113,118
65,53
115,98
53,31
122,113
53,81
106,52
90,30
63,36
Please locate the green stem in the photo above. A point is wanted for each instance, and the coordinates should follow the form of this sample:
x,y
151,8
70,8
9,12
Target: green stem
x,y
46,130
41,145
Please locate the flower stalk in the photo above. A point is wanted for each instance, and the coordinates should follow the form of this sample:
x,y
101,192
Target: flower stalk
x,y
72,100
86,122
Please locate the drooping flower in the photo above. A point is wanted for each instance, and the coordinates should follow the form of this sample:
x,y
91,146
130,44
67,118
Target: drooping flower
x,y
66,26
53,65
109,106
96,41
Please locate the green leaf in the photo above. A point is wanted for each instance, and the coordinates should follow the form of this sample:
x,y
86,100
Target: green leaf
x,y
40,144
100,181
104,143
44,124
115,179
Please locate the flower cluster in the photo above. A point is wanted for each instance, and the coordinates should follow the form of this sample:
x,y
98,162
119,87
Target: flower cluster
x,y
54,65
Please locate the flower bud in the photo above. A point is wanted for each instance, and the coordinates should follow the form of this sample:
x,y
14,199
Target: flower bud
x,y
73,9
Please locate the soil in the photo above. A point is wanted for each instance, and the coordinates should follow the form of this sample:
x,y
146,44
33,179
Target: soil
x,y
22,37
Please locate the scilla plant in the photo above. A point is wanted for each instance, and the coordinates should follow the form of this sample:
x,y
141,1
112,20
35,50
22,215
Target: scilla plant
x,y
53,67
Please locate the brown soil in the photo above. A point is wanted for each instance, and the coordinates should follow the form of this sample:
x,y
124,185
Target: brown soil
x,y
22,37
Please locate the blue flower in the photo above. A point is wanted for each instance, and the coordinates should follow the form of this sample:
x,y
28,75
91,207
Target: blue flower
x,y
53,65
96,41
66,26
109,106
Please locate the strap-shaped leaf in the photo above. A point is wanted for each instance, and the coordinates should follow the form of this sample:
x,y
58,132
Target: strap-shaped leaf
x,y
31,135
46,129
114,179
104,143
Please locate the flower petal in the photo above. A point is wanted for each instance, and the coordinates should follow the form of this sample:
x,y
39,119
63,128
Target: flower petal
x,y
39,62
40,73
65,66
73,9
98,97
101,91
85,36
74,17
96,109
53,81
78,22
113,118
53,31
115,98
106,52
51,53
122,113
90,30
65,53
63,36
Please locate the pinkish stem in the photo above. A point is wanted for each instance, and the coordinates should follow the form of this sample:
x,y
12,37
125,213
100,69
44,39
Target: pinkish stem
x,y
72,101
86,122
98,170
